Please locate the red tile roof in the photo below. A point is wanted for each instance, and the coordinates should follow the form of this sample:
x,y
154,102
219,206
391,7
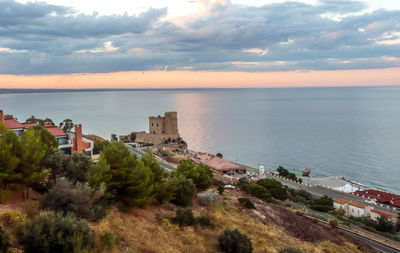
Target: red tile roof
x,y
28,125
221,164
381,197
12,124
357,204
387,214
342,201
55,131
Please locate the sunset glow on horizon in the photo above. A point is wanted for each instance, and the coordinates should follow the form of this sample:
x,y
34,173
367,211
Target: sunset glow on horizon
x,y
204,79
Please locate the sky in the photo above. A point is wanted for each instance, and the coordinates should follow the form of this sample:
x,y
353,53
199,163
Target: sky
x,y
198,43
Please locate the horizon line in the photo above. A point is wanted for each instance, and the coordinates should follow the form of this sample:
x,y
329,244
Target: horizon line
x,y
59,90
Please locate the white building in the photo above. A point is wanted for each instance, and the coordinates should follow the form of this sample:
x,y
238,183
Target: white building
x,y
352,208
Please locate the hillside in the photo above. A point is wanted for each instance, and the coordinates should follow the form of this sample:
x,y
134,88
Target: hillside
x,y
270,227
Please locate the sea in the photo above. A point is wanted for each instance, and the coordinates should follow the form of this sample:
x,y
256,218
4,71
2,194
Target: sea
x,y
348,131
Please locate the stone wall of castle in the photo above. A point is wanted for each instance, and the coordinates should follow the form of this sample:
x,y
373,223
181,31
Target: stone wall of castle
x,y
143,137
161,129
164,125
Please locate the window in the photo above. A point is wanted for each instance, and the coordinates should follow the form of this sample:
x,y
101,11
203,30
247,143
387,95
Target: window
x,y
152,124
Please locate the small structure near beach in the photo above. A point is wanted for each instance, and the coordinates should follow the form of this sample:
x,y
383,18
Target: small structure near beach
x,y
219,165
306,172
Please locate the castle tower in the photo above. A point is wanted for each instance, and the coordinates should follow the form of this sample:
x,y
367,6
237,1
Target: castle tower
x,y
171,123
156,125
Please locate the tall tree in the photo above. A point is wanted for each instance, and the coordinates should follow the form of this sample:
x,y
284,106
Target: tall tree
x,y
200,174
99,174
114,137
66,125
132,136
30,165
131,179
33,119
9,160
49,121
54,161
48,140
137,190
158,171
77,168
185,191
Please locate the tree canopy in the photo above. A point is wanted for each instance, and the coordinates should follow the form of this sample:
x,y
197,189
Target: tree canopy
x,y
66,125
200,174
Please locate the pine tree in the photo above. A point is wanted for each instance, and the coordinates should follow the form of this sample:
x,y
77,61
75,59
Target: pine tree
x,y
131,181
9,149
33,153
158,171
77,168
138,188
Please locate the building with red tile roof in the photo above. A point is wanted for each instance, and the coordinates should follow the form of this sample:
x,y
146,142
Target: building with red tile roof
x,y
14,125
68,143
28,125
352,208
375,214
11,123
220,165
381,197
55,131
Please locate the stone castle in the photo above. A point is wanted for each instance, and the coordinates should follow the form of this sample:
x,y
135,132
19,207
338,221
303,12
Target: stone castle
x,y
161,129
164,125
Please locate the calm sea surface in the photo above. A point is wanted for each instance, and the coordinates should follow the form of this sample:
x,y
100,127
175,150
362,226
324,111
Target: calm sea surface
x,y
352,132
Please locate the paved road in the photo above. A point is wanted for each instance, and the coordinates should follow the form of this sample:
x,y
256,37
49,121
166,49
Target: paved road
x,y
139,153
373,244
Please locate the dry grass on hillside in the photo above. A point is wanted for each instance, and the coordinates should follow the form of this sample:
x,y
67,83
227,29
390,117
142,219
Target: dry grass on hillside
x,y
151,231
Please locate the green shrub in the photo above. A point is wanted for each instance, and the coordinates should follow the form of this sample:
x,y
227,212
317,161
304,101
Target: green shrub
x,y
53,232
333,223
13,218
200,174
108,240
323,204
275,187
259,191
79,199
184,217
185,191
221,189
4,195
246,203
232,241
384,225
4,240
290,250
77,167
205,222
31,209
165,191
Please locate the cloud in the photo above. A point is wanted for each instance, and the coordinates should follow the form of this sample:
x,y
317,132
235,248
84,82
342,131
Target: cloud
x,y
258,51
39,38
11,51
108,48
